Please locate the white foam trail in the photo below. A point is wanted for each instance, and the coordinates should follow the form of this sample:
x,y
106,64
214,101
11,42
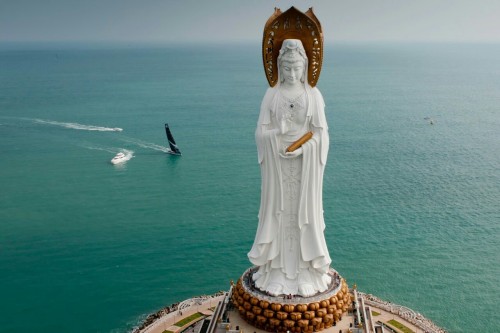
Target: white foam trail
x,y
109,150
148,145
79,126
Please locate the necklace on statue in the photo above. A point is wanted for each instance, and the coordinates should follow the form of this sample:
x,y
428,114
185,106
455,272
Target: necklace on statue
x,y
292,105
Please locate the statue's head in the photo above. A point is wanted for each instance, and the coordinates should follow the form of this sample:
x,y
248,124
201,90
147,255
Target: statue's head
x,y
292,61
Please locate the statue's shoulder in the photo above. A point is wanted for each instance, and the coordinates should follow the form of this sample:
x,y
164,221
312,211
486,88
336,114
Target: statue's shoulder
x,y
271,92
316,94
269,96
315,91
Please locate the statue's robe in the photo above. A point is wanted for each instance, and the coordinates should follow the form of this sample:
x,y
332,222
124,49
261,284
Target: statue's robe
x,y
266,249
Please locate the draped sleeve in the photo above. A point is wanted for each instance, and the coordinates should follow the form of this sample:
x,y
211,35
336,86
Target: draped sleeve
x,y
318,121
264,123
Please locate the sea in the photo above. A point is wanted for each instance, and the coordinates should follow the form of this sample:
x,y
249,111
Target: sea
x,y
411,188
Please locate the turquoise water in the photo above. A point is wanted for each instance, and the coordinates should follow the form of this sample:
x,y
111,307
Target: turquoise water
x,y
411,208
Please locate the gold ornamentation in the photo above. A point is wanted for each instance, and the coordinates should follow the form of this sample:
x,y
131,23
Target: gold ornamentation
x,y
297,144
292,24
295,317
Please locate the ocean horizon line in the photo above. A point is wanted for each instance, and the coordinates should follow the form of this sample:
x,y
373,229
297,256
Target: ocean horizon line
x,y
135,44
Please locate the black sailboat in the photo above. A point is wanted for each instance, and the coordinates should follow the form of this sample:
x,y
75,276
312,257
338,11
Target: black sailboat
x,y
174,150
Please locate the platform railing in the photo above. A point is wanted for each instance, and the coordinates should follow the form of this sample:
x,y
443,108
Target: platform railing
x,y
335,288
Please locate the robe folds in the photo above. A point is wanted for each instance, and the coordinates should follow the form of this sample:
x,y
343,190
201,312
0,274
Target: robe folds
x,y
266,247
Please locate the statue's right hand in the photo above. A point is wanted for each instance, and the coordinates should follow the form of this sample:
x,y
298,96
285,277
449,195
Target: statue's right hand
x,y
292,154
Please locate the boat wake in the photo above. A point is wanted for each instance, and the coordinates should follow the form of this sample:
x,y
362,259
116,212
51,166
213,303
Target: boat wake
x,y
106,149
77,126
147,145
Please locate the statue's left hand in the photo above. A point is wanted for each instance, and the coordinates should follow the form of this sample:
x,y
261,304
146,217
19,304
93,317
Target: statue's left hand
x,y
292,154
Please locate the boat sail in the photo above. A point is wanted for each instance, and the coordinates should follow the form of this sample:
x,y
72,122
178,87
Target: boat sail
x,y
174,150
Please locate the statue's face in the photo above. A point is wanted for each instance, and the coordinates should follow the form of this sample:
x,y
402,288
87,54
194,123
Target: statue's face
x,y
292,72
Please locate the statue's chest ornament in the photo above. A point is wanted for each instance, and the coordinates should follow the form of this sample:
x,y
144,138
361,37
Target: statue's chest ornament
x,y
291,106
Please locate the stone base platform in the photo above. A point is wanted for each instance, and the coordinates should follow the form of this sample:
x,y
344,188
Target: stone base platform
x,y
295,314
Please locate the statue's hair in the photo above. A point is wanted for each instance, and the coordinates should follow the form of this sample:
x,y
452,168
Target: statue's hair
x,y
292,48
292,56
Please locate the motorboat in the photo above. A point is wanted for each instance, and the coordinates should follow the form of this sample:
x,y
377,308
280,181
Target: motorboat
x,y
119,158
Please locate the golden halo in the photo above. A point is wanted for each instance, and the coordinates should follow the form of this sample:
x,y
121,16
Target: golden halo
x,y
297,25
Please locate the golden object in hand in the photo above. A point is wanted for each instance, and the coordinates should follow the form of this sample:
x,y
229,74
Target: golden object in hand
x,y
297,144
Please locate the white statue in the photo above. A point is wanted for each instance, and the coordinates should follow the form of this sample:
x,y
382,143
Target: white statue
x,y
289,246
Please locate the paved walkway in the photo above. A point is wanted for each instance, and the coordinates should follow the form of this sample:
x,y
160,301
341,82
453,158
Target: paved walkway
x,y
166,323
385,317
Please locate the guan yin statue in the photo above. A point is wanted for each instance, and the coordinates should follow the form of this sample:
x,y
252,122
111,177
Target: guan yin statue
x,y
290,247
291,285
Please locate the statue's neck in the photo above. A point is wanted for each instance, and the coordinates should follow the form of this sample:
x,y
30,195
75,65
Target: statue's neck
x,y
292,90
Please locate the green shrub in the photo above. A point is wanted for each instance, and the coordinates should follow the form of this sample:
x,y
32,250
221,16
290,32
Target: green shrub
x,y
400,326
189,319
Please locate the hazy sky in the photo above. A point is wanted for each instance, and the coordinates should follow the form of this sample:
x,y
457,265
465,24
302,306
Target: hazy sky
x,y
232,20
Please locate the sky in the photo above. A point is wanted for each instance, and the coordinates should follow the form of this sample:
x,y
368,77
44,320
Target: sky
x,y
235,20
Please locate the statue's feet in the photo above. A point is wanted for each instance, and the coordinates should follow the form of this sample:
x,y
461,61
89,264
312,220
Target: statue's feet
x,y
327,279
275,289
306,290
306,287
257,275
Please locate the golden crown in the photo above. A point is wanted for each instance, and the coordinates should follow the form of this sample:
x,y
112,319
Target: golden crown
x,y
292,24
